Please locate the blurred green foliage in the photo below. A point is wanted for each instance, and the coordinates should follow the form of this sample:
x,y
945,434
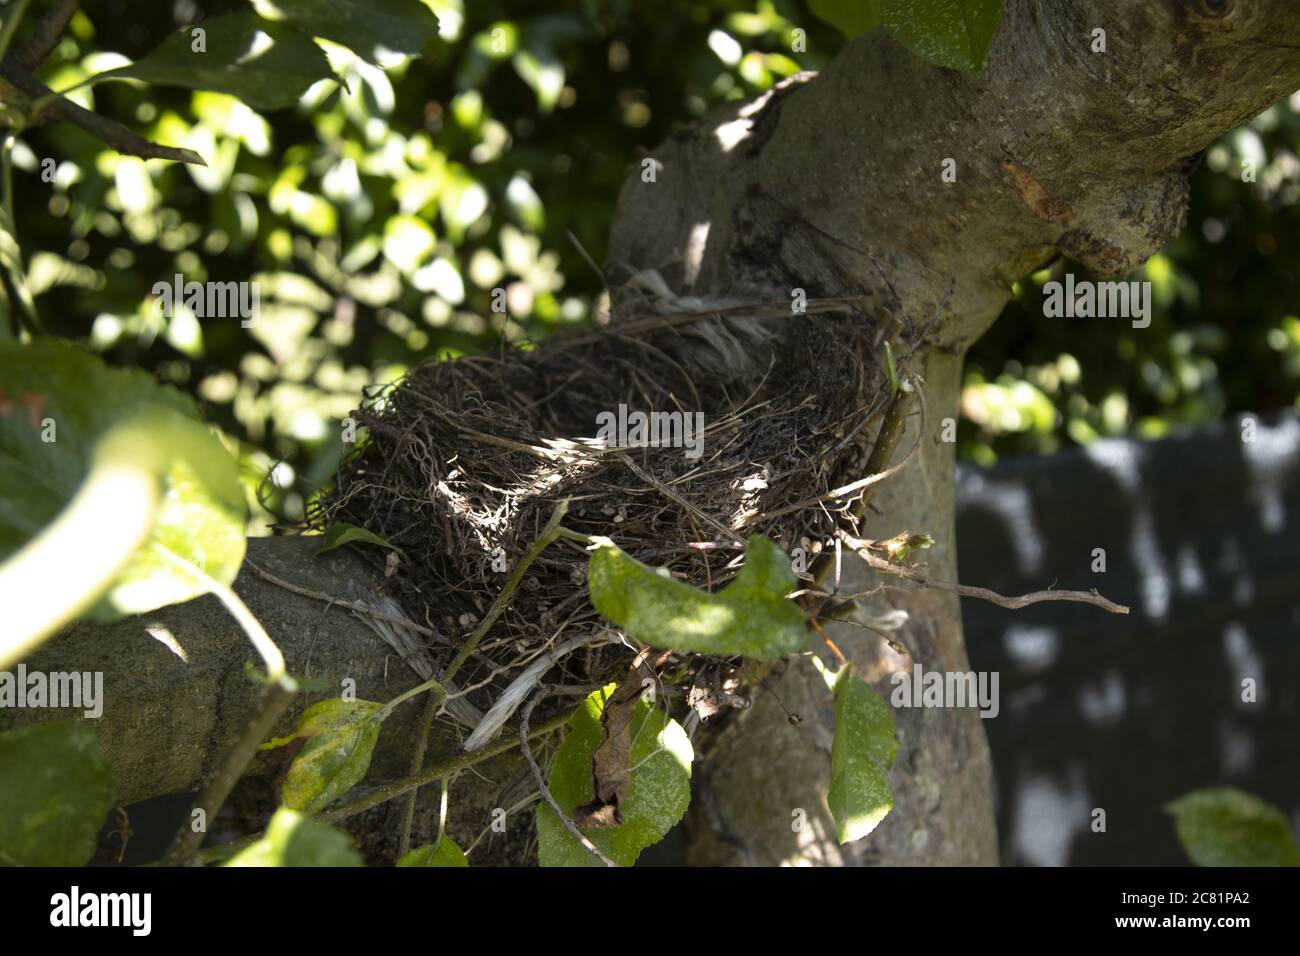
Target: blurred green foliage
x,y
1224,334
381,215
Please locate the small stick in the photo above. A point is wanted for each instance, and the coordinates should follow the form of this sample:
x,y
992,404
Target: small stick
x,y
275,700
45,36
965,590
569,825
350,605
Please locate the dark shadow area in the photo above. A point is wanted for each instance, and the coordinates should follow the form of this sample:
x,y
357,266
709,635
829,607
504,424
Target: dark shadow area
x,y
1201,535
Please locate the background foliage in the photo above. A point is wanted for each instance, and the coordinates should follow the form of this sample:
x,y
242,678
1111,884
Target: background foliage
x,y
379,217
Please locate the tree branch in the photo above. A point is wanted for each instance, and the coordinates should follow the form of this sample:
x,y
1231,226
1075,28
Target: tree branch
x,y
101,127
863,550
45,36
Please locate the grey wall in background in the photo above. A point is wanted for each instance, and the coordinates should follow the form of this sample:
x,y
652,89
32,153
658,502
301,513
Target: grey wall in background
x,y
1202,540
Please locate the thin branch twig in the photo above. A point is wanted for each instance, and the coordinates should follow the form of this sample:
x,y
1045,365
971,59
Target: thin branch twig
x,y
965,590
549,534
45,36
275,701
569,825
357,606
101,127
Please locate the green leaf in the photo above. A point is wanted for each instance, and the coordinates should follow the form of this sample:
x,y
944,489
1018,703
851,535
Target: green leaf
x,y
1222,826
851,17
341,736
57,402
267,65
541,69
55,791
442,853
373,28
656,799
343,533
751,616
292,839
951,33
865,745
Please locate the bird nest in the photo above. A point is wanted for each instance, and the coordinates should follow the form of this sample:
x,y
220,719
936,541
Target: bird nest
x,y
466,460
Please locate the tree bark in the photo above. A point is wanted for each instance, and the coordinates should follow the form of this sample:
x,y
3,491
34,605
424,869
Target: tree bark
x,y
831,184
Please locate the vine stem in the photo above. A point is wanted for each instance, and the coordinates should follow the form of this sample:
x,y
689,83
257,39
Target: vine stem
x,y
13,257
276,696
550,533
390,791
275,701
272,658
524,714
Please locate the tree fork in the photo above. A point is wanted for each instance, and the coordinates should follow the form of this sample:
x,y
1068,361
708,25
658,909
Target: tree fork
x,y
830,184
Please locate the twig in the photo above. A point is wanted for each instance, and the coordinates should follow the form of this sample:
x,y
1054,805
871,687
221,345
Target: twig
x,y
965,590
12,253
887,439
891,430
521,686
45,36
549,534
569,825
275,700
279,691
674,496
357,606
109,131
417,760
11,24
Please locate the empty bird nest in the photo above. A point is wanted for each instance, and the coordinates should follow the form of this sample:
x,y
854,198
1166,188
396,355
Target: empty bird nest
x,y
466,460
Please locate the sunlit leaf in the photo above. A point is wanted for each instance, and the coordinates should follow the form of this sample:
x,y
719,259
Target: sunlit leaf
x,y
292,839
544,74
442,853
408,241
341,737
341,533
57,401
751,616
373,28
864,748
